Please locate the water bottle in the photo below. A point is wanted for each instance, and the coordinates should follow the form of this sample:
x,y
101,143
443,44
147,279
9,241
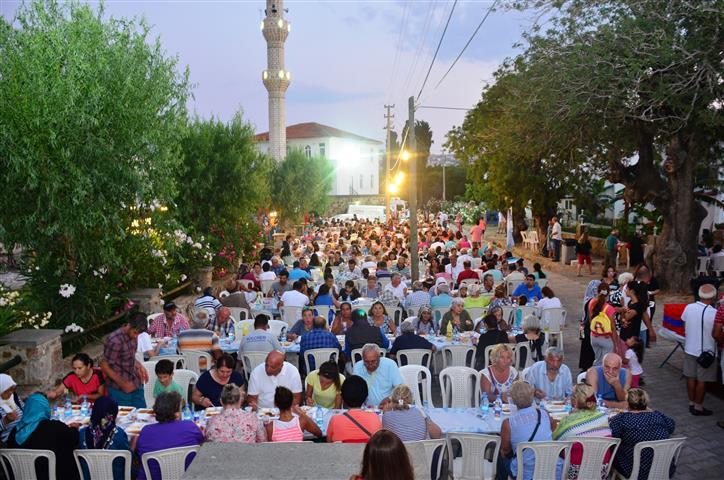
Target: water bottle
x,y
283,334
186,414
485,404
530,303
568,407
599,400
55,414
498,407
196,416
456,335
318,417
68,408
84,407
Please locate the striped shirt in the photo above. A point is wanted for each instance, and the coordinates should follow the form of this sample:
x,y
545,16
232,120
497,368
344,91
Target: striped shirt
x,y
410,425
287,431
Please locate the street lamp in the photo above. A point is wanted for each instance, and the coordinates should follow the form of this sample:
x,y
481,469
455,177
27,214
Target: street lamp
x,y
405,155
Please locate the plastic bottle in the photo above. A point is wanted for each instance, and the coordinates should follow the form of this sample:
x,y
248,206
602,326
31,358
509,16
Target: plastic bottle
x,y
485,404
68,408
599,400
498,407
318,417
55,414
283,334
186,413
84,407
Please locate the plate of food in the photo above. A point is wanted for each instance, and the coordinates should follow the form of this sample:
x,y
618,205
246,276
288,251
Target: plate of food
x,y
146,411
134,429
211,411
268,413
125,409
506,410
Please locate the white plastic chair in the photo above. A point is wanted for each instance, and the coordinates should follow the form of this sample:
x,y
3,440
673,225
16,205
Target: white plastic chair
x,y
581,377
193,359
413,311
320,355
276,327
477,312
291,314
251,360
438,313
239,327
517,355
179,361
395,313
702,266
508,312
663,451
476,460
458,356
384,281
469,281
22,463
552,321
415,356
323,311
717,265
150,367
269,315
460,387
546,458
239,313
594,453
418,377
542,282
184,378
525,311
266,286
249,284
100,463
171,462
511,285
435,452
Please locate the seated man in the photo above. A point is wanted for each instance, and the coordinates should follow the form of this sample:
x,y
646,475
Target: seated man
x,y
260,340
298,272
281,286
468,273
410,340
396,288
273,373
355,425
381,374
199,338
362,333
611,381
550,377
223,323
294,297
319,337
529,289
235,298
169,323
303,325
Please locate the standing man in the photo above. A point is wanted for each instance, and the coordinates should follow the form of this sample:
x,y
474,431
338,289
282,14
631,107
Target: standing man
x,y
557,238
611,248
698,320
124,374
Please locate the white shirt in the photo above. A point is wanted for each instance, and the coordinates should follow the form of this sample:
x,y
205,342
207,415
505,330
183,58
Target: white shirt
x,y
264,386
144,342
293,298
633,362
692,327
454,271
546,302
398,291
556,231
268,275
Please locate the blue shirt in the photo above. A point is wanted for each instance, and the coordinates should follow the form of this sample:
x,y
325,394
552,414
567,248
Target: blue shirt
x,y
533,294
381,382
522,425
317,338
298,273
605,389
441,300
538,376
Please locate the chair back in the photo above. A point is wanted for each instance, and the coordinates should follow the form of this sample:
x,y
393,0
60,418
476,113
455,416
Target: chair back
x,y
511,285
251,360
469,281
150,367
415,356
546,458
428,457
291,314
193,360
581,377
473,448
508,312
315,357
239,313
525,311
458,356
269,315
266,286
477,261
357,354
413,311
477,312
384,281
184,378
518,350
460,387
249,284
277,326
179,361
22,463
140,357
100,463
553,319
171,462
395,313
240,325
419,379
438,313
595,450
323,311
661,452
542,282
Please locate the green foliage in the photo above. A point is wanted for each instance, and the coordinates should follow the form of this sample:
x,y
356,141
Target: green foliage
x,y
431,180
423,142
301,185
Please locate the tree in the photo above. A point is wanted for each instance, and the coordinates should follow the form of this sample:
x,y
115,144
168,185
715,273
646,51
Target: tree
x,y
302,185
89,131
423,142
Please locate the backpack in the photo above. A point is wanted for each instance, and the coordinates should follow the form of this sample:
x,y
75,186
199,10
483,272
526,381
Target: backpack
x,y
601,324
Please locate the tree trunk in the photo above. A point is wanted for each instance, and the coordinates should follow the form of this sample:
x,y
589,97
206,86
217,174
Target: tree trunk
x,y
519,224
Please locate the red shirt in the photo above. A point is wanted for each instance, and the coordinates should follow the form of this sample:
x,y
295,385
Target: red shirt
x,y
342,429
74,383
466,274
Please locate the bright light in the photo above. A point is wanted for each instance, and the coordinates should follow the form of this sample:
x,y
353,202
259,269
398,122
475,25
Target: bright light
x,y
262,24
399,178
281,74
405,155
280,23
265,74
289,27
393,189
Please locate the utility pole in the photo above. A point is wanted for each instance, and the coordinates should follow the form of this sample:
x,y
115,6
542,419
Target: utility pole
x,y
443,180
388,127
414,260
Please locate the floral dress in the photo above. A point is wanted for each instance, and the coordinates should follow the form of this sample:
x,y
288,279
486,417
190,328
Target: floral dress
x,y
235,425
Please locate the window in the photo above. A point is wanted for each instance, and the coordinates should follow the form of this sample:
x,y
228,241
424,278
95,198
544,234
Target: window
x,y
361,182
322,150
308,151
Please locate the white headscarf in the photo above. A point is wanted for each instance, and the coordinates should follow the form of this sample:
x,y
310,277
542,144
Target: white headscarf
x,y
6,382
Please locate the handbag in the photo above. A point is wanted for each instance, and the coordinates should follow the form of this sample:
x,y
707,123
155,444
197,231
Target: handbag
x,y
706,357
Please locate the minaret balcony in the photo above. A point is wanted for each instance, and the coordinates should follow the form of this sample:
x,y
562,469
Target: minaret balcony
x,y
275,29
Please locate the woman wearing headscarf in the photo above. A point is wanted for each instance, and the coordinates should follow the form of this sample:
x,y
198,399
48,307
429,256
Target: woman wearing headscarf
x,y
103,434
587,356
11,407
37,431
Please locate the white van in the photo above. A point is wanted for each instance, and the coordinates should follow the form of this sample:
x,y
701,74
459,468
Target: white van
x,y
367,212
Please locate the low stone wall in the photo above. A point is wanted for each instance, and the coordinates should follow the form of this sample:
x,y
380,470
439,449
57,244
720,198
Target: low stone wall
x,y
42,357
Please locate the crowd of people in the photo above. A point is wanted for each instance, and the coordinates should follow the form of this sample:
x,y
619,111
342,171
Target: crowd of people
x,y
333,265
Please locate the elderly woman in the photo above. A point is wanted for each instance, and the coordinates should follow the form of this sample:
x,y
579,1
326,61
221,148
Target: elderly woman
x,y
425,322
497,378
11,406
169,432
638,424
456,317
377,317
527,424
234,425
584,421
499,298
207,391
474,299
103,434
36,431
491,336
410,424
533,336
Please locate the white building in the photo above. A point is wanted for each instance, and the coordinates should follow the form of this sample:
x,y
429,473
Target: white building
x,y
356,159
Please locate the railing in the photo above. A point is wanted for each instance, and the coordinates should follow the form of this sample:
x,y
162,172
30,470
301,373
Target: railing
x,y
16,360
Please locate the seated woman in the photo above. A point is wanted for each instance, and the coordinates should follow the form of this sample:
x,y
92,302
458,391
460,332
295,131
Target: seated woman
x,y
538,271
36,431
584,421
207,391
324,386
491,336
234,424
639,424
377,317
474,299
456,317
527,424
533,336
84,380
497,379
410,424
169,432
499,298
103,434
292,422
549,299
425,324
385,458
11,406
498,313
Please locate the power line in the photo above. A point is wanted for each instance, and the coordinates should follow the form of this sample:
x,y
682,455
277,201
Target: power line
x,y
437,49
490,9
443,108
398,49
420,46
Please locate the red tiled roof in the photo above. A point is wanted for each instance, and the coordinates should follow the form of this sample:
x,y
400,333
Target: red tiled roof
x,y
314,130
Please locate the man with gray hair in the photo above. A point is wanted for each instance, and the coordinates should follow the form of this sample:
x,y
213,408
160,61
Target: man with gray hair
x,y
409,340
698,318
380,373
550,377
198,337
419,296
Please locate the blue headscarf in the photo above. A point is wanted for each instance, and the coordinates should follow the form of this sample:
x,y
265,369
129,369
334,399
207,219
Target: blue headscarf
x,y
37,409
102,429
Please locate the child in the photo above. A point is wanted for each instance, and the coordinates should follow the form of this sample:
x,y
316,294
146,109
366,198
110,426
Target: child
x,y
164,379
292,420
632,349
